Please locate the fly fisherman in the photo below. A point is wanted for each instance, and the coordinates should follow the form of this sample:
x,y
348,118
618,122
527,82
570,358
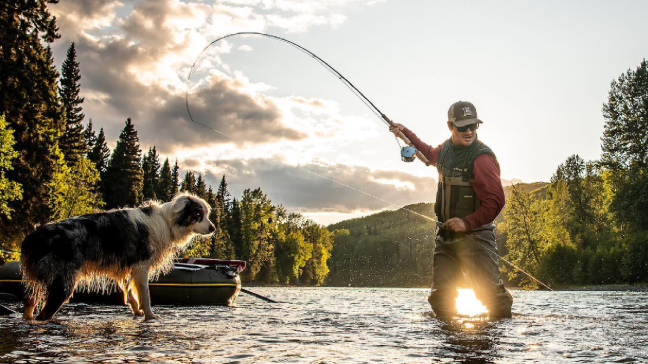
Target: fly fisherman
x,y
469,197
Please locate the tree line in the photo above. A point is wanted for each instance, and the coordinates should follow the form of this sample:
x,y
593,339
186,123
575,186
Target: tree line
x,y
589,225
52,167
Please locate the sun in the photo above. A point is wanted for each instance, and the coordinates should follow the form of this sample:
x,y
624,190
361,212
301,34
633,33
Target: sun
x,y
468,305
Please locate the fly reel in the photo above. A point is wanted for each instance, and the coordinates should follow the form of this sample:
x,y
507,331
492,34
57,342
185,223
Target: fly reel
x,y
408,154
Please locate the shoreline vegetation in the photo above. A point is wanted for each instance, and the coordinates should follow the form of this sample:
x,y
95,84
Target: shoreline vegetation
x,y
587,226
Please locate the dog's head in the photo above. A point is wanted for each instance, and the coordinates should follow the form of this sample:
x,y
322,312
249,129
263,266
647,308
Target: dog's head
x,y
192,212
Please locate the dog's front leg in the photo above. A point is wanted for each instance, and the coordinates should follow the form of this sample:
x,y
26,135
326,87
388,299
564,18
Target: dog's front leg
x,y
130,297
140,277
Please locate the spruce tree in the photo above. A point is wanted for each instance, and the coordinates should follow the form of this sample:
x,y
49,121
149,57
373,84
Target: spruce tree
x,y
100,153
72,141
90,138
29,100
175,179
124,175
234,228
151,168
223,195
165,189
189,183
201,187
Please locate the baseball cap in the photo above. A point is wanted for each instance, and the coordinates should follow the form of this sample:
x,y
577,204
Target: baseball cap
x,y
463,113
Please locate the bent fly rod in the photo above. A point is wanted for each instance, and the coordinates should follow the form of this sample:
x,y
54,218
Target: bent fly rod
x,y
408,154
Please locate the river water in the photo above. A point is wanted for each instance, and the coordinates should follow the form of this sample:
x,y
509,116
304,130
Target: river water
x,y
341,325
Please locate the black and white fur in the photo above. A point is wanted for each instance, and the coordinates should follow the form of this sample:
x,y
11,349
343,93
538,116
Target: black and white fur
x,y
126,247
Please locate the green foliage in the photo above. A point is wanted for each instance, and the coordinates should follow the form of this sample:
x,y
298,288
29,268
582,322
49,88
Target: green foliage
x,y
29,101
625,146
9,190
634,267
73,192
124,175
390,248
257,227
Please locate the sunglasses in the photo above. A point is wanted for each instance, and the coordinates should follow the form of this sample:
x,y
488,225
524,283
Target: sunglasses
x,y
462,129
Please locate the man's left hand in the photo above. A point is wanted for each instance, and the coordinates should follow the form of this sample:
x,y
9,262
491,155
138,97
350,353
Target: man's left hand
x,y
456,224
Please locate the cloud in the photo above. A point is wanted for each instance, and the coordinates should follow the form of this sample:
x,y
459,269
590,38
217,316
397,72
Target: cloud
x,y
135,58
74,17
317,187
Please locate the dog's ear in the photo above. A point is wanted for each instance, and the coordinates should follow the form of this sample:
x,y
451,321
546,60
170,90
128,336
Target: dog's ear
x,y
179,204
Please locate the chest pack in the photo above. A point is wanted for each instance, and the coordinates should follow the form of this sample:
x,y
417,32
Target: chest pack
x,y
455,194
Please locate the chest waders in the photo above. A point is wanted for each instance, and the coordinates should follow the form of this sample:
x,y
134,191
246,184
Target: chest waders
x,y
472,252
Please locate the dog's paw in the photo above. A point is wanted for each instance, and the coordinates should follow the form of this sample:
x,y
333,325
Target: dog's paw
x,y
151,317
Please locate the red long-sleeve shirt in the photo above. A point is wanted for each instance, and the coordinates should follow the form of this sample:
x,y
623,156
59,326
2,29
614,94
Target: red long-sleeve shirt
x,y
485,181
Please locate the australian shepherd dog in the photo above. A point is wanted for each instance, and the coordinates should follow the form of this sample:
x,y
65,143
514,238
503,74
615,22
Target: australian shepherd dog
x,y
126,247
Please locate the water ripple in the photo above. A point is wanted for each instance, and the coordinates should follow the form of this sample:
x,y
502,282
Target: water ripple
x,y
340,325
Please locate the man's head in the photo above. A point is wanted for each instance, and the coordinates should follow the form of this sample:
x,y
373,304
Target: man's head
x,y
463,123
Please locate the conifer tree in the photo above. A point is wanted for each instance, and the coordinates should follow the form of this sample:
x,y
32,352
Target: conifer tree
x,y
90,137
223,194
124,175
151,168
29,100
189,183
100,154
234,227
165,189
175,179
72,141
201,187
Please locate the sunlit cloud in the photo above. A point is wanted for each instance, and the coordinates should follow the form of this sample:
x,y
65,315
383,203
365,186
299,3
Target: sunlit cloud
x,y
135,60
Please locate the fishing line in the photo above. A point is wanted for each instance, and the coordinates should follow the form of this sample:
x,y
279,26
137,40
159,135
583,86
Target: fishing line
x,y
358,94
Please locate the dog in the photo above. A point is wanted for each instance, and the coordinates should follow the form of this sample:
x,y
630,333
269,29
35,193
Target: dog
x,y
126,247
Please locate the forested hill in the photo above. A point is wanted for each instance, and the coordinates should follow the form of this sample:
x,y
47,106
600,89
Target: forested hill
x,y
395,248
390,248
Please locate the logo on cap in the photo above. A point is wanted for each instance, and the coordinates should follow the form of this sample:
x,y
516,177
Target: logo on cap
x,y
467,111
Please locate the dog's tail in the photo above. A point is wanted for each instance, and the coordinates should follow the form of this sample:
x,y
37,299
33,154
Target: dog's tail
x,y
40,267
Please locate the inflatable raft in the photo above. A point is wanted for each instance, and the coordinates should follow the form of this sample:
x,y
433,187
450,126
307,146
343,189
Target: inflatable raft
x,y
192,281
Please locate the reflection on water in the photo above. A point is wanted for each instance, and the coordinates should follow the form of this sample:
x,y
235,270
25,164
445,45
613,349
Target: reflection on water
x,y
333,325
467,303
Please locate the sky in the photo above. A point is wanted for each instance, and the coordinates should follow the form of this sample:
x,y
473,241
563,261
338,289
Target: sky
x,y
538,74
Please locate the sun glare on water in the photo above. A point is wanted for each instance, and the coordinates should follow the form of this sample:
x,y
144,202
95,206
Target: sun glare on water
x,y
467,304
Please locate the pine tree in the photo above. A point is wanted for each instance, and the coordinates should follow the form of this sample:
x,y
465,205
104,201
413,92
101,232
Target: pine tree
x,y
234,228
29,100
201,187
151,168
175,179
124,175
90,138
223,194
165,189
72,141
189,183
100,154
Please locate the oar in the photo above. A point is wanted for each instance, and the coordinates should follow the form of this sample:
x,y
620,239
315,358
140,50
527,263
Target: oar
x,y
258,295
